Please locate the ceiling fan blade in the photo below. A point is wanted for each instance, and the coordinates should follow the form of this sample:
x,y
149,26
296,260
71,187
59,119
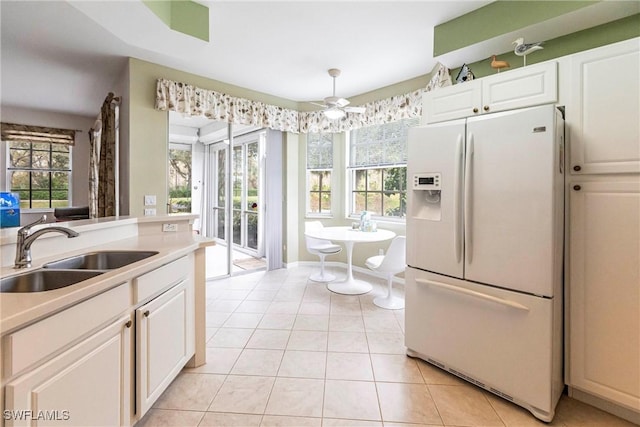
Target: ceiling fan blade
x,y
357,110
341,102
318,104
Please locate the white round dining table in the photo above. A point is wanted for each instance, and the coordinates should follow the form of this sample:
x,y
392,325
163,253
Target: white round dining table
x,y
349,237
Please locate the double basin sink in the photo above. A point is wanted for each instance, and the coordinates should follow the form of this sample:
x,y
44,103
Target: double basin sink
x,y
72,270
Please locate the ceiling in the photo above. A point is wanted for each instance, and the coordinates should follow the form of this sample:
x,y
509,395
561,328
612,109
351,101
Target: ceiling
x,y
65,56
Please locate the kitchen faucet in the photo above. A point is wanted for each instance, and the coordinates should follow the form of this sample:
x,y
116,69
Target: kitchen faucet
x,y
26,238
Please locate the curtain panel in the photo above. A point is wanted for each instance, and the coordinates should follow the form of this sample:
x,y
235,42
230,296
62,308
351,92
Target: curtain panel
x,y
21,133
194,101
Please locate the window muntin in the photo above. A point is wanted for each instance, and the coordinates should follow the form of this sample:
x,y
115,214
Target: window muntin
x,y
319,168
40,172
378,163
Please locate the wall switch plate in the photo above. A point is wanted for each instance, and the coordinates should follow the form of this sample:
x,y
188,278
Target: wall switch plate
x,y
150,200
169,227
149,212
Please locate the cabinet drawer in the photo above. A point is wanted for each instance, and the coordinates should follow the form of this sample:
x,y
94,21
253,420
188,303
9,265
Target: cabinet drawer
x,y
31,344
158,280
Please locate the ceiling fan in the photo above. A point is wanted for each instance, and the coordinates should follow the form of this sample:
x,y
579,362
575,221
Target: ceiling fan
x,y
335,107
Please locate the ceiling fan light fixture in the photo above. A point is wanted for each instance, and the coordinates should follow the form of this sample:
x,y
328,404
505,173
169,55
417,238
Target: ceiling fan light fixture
x,y
334,113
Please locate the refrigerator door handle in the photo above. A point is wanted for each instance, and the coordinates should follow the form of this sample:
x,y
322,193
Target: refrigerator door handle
x,y
457,228
474,294
467,199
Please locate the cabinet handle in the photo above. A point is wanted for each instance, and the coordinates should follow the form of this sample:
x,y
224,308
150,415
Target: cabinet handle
x,y
128,324
486,108
475,110
577,187
146,313
577,168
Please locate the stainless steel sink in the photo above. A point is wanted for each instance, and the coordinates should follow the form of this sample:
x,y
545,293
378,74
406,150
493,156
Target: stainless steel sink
x,y
44,280
102,260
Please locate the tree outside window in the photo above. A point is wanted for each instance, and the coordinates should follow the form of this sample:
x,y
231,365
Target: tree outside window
x,y
319,167
179,178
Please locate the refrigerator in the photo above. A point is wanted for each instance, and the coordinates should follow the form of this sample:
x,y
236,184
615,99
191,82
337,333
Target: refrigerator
x,y
484,282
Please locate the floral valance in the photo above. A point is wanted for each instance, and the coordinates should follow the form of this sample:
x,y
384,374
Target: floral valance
x,y
194,101
26,133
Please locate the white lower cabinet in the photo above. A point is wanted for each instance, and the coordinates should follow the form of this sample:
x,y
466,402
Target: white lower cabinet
x,y
87,385
604,292
164,329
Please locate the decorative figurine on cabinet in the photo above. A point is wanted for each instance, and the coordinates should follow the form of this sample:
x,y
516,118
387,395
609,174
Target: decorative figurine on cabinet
x,y
465,74
523,49
497,64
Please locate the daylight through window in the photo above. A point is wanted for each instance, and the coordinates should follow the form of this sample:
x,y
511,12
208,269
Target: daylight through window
x,y
319,167
378,163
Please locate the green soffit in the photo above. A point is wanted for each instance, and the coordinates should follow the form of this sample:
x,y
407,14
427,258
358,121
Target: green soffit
x,y
497,18
185,16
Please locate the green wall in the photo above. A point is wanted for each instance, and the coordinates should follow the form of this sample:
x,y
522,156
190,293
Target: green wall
x,y
185,16
497,18
601,35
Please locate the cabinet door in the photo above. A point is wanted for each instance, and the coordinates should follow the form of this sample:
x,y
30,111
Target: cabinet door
x,y
164,343
604,290
88,385
604,109
452,102
523,87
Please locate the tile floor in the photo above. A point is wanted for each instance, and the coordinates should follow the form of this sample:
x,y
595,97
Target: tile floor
x,y
284,351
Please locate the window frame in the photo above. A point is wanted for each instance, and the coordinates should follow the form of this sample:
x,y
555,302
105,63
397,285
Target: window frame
x,y
308,180
351,181
9,169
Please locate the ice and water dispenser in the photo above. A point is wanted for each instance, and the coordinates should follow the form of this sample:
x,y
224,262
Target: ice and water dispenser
x,y
426,196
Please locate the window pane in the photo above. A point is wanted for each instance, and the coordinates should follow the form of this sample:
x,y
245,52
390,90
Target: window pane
x,y
314,181
374,203
392,205
326,202
222,161
319,151
16,144
374,179
180,178
361,180
60,148
19,158
360,199
44,146
40,159
40,190
60,161
252,231
237,185
325,179
314,202
395,179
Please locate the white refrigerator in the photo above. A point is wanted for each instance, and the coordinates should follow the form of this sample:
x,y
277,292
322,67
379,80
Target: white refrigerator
x,y
485,252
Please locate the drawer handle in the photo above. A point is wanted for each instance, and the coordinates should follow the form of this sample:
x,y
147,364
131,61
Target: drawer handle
x,y
577,168
475,294
475,110
146,313
486,108
577,187
128,324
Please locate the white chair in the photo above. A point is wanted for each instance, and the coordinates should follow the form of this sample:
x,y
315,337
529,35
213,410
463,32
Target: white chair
x,y
392,263
322,248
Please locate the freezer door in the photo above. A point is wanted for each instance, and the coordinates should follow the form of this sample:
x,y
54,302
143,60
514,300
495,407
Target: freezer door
x,y
511,200
501,340
434,221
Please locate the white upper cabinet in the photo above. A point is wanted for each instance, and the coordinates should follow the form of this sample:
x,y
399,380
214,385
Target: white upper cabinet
x,y
523,87
604,110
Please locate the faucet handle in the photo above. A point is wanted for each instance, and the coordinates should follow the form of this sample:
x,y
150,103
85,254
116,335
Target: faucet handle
x,y
27,227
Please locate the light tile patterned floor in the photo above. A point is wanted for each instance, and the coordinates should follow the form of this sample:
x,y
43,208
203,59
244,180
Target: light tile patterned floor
x,y
285,351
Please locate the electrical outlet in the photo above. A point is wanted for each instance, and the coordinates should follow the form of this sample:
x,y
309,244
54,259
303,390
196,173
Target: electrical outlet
x,y
169,227
150,200
149,212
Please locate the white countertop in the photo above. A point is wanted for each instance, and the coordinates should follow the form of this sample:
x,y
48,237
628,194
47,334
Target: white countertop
x,y
20,309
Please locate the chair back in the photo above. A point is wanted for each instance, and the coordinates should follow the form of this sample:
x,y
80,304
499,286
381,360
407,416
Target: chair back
x,y
311,242
395,261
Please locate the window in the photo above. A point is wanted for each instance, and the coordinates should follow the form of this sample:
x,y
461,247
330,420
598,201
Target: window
x,y
378,163
179,178
40,173
319,167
